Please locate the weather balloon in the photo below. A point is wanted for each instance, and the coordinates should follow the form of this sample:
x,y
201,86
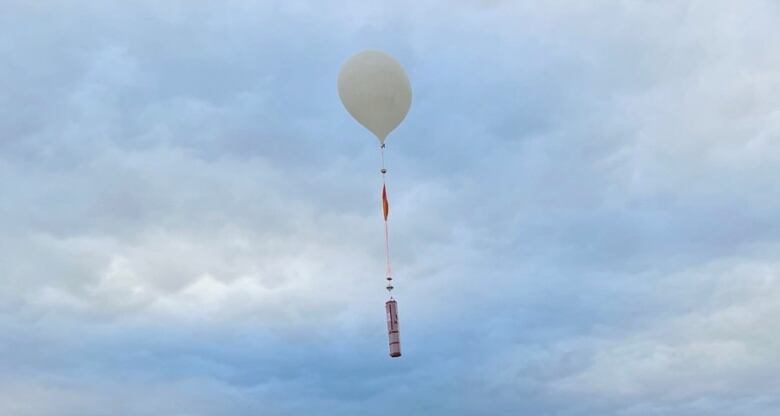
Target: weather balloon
x,y
375,90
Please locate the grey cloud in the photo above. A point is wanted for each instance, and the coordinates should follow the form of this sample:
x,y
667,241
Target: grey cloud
x,y
582,203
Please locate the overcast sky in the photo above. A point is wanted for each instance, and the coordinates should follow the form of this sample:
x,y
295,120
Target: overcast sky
x,y
585,209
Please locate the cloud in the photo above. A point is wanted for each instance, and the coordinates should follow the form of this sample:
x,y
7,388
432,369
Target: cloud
x,y
583,207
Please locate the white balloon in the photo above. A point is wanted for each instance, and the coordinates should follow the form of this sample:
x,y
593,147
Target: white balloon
x,y
375,90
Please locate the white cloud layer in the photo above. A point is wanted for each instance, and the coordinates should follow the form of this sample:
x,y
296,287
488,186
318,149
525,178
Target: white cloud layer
x,y
584,206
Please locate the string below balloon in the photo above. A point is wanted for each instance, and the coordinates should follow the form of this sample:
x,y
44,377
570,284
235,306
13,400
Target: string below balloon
x,y
386,212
